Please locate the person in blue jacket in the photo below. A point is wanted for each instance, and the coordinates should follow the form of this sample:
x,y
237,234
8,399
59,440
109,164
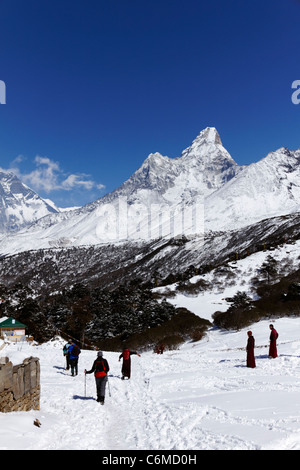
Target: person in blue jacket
x,y
74,351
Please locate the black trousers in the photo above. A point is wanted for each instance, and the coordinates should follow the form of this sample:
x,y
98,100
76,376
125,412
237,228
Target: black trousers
x,y
68,361
74,365
100,385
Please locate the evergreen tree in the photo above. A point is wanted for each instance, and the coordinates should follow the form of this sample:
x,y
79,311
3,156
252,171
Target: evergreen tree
x,y
241,301
269,268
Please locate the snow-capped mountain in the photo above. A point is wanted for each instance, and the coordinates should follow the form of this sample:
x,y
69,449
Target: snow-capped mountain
x,y
203,190
268,188
164,197
19,205
202,168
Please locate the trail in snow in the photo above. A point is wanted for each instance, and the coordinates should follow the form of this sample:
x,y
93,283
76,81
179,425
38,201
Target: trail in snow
x,y
198,397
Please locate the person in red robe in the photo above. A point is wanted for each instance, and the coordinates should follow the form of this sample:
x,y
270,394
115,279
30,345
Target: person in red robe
x,y
273,346
126,366
250,350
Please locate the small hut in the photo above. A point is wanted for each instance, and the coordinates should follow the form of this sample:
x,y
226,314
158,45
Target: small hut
x,y
12,329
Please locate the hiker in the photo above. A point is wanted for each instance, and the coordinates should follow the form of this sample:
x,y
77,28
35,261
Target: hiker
x,y
74,351
273,347
66,353
126,366
100,369
250,350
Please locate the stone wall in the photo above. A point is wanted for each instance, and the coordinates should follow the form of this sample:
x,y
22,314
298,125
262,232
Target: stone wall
x,y
19,385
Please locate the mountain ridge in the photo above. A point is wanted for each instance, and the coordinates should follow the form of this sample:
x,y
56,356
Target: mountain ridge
x,y
204,188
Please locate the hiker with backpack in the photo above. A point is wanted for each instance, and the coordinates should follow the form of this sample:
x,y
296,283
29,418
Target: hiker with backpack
x,y
100,369
126,366
74,351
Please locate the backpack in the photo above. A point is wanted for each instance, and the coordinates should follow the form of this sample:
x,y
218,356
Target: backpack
x,y
75,350
100,368
126,354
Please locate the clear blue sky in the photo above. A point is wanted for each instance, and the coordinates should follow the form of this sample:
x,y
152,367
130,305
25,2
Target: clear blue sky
x,y
94,86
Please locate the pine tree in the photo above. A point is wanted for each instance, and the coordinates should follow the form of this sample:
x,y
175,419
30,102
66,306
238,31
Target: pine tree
x,y
269,268
241,301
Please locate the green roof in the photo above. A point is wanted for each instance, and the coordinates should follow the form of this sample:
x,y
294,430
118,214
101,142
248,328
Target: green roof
x,y
11,322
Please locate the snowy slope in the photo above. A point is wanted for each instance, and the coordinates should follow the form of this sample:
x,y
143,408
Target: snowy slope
x,y
241,274
199,397
268,188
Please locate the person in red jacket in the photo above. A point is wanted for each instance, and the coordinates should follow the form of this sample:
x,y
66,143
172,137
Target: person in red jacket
x,y
100,369
126,366
250,350
273,339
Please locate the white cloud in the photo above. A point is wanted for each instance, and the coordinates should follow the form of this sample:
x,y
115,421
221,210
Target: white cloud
x,y
48,177
76,181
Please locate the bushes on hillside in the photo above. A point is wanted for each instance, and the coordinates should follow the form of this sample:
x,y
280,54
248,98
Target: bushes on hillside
x,y
274,300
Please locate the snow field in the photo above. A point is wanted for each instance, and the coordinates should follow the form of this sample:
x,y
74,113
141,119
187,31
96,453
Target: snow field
x,y
200,397
206,303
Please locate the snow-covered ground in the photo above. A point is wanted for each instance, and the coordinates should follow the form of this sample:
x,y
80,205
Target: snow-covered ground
x,y
201,396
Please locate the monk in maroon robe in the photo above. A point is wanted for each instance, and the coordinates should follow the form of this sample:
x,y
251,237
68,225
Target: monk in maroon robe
x,y
126,366
273,346
250,350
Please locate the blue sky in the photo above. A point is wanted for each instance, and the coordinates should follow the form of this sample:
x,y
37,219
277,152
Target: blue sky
x,y
93,87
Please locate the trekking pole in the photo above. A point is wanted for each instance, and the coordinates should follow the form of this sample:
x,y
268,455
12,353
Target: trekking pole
x,y
85,385
108,387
